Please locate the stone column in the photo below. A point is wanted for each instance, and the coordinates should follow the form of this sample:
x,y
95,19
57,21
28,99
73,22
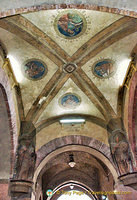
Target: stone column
x,y
21,182
121,153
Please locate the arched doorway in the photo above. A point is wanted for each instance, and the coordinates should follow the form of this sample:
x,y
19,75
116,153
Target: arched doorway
x,y
92,169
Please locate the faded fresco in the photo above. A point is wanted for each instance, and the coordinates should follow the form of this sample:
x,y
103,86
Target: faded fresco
x,y
70,24
35,69
121,152
103,69
70,101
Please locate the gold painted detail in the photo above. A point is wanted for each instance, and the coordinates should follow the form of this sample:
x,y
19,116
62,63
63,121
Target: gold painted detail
x,y
8,70
131,70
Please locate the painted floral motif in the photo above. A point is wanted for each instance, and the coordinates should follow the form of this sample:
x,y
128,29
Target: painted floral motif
x,y
103,69
34,69
70,101
70,24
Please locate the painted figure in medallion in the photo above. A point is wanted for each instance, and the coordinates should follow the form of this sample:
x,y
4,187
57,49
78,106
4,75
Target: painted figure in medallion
x,y
34,69
103,69
70,24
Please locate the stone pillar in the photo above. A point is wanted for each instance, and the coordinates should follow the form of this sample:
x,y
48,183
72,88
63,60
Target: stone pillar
x,y
21,182
121,153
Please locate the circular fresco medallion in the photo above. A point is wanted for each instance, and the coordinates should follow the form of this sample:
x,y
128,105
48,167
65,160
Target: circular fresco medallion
x,y
104,68
69,101
70,24
35,69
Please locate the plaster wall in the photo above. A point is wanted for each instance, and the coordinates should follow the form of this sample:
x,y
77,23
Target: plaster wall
x,y
56,130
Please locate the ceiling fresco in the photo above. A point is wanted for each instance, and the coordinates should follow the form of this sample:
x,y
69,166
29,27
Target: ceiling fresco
x,y
69,62
34,69
121,61
92,23
70,99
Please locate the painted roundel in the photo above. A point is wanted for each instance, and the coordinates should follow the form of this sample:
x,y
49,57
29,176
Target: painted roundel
x,y
69,101
70,24
35,69
104,68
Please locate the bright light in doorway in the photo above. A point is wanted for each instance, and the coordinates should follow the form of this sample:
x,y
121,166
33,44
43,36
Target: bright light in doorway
x,y
16,69
74,195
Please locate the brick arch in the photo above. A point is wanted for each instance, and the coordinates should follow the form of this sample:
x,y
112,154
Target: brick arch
x,y
76,143
4,81
6,130
132,113
56,5
72,140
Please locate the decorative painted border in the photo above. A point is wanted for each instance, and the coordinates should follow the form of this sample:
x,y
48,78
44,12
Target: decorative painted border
x,y
34,59
65,12
107,59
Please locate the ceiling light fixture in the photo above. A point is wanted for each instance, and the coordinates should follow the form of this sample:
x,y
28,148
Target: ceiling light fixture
x,y
71,161
72,121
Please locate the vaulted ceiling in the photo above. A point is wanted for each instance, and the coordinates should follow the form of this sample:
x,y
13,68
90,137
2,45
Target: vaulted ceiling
x,y
70,63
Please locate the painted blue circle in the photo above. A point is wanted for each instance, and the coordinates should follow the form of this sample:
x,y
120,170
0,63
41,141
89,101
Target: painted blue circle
x,y
35,69
103,69
70,24
70,101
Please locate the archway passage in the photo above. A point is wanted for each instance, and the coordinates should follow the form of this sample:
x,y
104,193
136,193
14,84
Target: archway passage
x,y
74,164
71,190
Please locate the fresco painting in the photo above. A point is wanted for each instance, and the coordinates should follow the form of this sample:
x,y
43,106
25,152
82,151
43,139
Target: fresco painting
x,y
70,101
103,69
70,24
35,69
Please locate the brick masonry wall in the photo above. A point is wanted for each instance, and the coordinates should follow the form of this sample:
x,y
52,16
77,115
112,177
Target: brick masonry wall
x,y
125,7
4,191
11,110
132,113
72,139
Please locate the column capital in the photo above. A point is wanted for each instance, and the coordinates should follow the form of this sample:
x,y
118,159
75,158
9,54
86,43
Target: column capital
x,y
129,179
19,189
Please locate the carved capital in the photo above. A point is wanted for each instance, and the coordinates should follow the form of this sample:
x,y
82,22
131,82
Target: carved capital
x,y
129,180
19,189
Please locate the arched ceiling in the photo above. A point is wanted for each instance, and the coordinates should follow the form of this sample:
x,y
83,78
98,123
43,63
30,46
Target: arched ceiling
x,y
88,170
105,36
